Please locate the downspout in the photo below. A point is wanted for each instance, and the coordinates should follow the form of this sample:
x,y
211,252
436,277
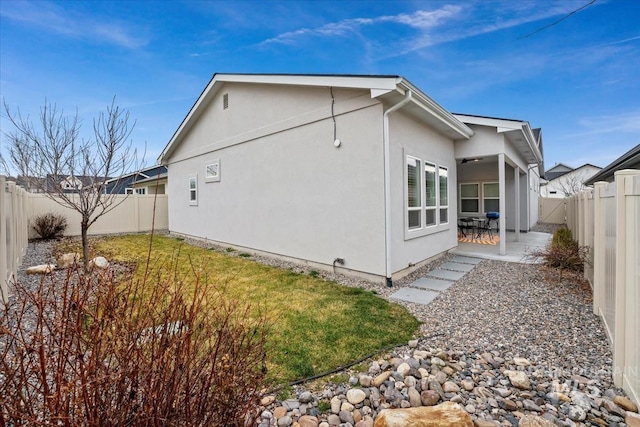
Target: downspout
x,y
387,183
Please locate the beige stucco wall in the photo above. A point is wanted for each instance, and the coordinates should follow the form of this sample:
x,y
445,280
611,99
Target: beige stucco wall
x,y
284,187
408,136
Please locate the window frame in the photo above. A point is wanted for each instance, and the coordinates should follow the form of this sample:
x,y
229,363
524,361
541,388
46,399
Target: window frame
x,y
193,201
212,178
484,196
477,197
443,207
425,168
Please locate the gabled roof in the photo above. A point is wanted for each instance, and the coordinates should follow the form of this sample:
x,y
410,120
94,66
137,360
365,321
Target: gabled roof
x,y
519,133
629,160
550,176
141,172
384,87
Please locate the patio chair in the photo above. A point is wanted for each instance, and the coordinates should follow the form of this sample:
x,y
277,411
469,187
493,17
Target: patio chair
x,y
465,226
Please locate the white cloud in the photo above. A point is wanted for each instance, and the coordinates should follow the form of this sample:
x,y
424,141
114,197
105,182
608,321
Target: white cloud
x,y
421,20
56,19
445,24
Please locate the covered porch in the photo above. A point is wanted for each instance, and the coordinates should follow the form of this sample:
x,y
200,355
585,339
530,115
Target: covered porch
x,y
498,170
515,250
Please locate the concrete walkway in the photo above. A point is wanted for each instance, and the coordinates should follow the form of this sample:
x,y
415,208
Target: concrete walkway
x,y
425,289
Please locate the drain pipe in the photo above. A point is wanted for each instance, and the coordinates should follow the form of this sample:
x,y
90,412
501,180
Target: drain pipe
x,y
387,183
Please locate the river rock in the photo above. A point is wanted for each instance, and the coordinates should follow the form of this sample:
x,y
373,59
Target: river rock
x,y
625,403
445,414
534,421
429,397
308,421
519,379
355,396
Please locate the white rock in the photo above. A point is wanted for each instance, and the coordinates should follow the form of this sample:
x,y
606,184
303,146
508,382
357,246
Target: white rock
x,y
99,262
335,404
521,361
41,269
403,369
519,379
355,396
68,259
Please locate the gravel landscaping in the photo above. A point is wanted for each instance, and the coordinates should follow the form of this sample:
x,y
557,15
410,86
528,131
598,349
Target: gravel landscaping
x,y
505,341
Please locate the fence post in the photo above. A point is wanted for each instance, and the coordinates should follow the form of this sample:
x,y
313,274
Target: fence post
x,y
3,240
621,268
588,234
631,373
599,237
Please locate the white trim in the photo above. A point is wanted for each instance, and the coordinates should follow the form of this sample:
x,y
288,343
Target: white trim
x,y
212,171
424,229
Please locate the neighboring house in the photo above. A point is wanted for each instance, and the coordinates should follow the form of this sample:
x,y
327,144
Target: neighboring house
x,y
71,183
564,183
558,170
355,173
151,180
629,160
31,184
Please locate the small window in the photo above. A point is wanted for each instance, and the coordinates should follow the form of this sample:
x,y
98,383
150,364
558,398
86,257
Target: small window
x,y
212,171
128,191
141,191
193,190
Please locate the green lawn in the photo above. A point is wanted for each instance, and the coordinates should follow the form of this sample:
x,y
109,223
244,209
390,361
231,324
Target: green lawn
x,y
319,325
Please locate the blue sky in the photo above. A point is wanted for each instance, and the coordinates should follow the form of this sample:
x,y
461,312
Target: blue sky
x,y
579,80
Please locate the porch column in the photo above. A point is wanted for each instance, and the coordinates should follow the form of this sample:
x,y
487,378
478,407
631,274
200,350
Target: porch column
x,y
503,205
516,191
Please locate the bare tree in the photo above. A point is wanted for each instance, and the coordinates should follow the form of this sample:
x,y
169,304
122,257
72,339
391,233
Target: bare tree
x,y
573,183
71,170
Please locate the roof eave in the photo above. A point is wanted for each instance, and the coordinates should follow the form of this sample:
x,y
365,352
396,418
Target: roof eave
x,y
435,109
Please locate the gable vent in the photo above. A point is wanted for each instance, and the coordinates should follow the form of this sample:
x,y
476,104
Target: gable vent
x,y
225,101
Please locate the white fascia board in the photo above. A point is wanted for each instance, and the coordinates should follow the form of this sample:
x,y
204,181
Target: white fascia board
x,y
503,125
531,140
426,103
356,82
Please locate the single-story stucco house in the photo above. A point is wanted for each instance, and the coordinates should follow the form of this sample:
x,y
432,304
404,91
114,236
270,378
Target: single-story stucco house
x,y
358,173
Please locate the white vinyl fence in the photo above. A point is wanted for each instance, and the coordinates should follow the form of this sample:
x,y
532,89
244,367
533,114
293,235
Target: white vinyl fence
x,y
607,220
18,208
133,214
13,231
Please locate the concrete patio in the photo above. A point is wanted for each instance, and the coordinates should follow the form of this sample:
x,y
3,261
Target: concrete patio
x,y
516,251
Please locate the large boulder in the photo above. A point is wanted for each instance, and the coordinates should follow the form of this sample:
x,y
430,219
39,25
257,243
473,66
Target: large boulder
x,y
68,260
41,269
446,414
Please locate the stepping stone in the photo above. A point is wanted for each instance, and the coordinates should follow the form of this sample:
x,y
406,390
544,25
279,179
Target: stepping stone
x,y
415,295
456,266
466,259
431,284
446,274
